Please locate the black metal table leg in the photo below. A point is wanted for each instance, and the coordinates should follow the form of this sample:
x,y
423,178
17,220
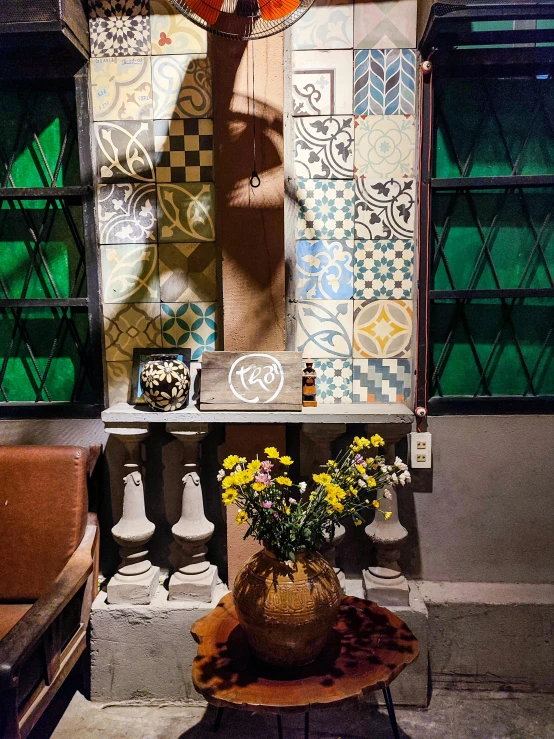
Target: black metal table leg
x,y
307,725
392,715
219,716
279,727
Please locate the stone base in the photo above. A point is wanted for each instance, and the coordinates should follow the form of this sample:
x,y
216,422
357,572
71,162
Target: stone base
x,y
386,592
133,589
194,587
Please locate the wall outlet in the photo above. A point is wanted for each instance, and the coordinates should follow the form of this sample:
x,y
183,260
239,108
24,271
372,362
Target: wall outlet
x,y
420,449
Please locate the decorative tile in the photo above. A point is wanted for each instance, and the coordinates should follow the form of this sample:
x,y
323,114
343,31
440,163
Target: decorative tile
x,y
324,328
188,272
119,35
384,82
184,150
186,212
325,209
130,273
324,269
172,33
384,209
191,325
117,8
121,88
324,147
127,213
328,24
382,328
119,381
334,381
124,151
384,146
182,86
385,25
382,381
129,326
383,269
321,82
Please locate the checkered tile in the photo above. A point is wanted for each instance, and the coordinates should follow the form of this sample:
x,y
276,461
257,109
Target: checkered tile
x,y
184,150
382,381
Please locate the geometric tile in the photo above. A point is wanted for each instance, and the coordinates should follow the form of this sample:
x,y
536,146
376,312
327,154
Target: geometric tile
x,y
184,150
384,209
322,82
382,328
117,8
121,88
324,269
324,147
383,269
124,151
324,328
172,33
130,273
325,209
130,325
186,212
188,272
119,381
385,25
127,213
119,36
182,86
384,81
382,381
334,381
190,325
328,24
385,146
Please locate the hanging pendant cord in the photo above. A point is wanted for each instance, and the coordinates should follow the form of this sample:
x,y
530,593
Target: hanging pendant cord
x,y
254,177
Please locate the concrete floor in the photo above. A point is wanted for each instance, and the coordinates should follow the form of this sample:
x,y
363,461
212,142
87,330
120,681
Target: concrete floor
x,y
451,715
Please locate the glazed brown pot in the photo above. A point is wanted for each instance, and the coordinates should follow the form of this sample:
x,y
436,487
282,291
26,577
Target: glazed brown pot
x,y
287,610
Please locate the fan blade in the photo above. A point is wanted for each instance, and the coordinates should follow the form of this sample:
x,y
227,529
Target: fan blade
x,y
275,9
208,11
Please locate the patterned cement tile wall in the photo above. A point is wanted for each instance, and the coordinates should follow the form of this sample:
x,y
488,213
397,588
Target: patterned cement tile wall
x,y
354,103
153,151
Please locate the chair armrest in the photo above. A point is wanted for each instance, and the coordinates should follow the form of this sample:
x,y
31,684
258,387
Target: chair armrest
x,y
24,636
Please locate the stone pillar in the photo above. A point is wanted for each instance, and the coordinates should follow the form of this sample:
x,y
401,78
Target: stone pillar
x,y
195,578
136,579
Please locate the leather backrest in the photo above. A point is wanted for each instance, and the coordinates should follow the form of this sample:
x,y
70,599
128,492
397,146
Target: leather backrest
x,y
43,513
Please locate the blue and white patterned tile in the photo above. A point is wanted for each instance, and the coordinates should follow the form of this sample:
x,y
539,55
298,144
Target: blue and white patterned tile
x,y
324,147
385,25
182,86
190,325
322,82
121,88
324,328
384,146
384,209
325,209
383,269
334,381
382,381
324,269
328,24
384,81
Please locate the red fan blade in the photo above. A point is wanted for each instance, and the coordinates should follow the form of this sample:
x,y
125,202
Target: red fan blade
x,y
275,9
207,11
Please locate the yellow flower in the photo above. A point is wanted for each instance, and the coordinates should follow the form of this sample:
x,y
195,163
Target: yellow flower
x,y
377,440
375,504
242,477
231,461
387,515
361,469
227,482
242,516
371,482
283,480
322,479
336,490
339,508
258,486
229,496
370,460
359,443
353,490
271,452
358,522
331,463
254,465
286,460
287,510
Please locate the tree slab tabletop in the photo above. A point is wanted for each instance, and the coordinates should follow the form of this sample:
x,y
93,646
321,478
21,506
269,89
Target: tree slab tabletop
x,y
368,648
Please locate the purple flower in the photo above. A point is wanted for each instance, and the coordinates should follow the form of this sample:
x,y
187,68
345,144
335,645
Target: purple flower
x,y
267,465
267,504
275,515
266,479
358,459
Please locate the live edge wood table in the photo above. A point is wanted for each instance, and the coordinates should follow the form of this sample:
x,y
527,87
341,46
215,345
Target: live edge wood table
x,y
369,647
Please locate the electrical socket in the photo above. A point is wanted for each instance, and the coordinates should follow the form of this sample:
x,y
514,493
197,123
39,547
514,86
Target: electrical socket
x,y
420,449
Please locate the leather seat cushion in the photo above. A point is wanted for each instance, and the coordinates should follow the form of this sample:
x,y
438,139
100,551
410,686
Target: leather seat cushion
x,y
10,615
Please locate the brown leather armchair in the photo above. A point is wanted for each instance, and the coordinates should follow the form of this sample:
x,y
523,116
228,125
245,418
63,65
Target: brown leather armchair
x,y
48,576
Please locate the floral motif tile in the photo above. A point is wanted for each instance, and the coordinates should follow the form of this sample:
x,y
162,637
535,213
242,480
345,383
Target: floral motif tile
x,y
384,146
389,24
383,269
324,147
334,381
121,88
119,35
384,82
382,381
184,150
127,213
182,86
130,273
188,272
190,325
382,328
324,269
117,8
172,33
324,328
384,209
119,381
186,212
322,82
128,326
124,151
328,24
325,209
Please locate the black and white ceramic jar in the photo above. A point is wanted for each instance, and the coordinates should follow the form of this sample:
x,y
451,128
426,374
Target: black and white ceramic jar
x,y
165,383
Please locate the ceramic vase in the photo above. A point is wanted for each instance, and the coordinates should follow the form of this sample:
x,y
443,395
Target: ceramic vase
x,y
165,383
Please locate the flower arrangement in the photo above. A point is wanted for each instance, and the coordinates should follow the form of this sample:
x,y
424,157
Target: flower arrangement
x,y
285,517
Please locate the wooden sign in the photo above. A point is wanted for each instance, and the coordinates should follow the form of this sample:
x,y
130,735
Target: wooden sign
x,y
251,381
